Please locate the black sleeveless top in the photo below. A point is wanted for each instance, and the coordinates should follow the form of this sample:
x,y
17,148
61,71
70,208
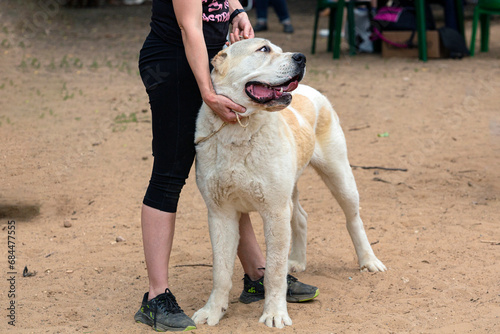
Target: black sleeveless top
x,y
215,22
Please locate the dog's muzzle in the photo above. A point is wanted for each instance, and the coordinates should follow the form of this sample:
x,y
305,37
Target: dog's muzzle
x,y
300,59
263,93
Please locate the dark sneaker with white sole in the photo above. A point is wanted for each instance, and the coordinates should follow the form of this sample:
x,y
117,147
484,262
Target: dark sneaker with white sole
x,y
260,26
163,314
297,291
288,28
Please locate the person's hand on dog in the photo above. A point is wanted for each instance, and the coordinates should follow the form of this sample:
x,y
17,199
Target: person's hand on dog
x,y
242,28
224,107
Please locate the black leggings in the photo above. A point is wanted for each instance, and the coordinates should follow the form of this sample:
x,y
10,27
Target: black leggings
x,y
175,100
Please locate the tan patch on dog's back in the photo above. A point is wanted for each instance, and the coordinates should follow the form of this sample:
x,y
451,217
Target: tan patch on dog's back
x,y
305,107
324,125
325,116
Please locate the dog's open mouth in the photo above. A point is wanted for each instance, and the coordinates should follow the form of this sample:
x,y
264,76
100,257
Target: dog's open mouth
x,y
263,93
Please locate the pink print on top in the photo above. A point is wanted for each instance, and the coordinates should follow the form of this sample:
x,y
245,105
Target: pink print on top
x,y
217,10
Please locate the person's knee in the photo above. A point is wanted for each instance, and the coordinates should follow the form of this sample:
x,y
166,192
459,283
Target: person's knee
x,y
163,192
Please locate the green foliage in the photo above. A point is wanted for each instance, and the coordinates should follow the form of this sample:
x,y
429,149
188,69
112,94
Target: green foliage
x,y
123,118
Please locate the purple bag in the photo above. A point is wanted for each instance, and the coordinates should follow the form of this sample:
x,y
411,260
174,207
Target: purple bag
x,y
399,18
395,18
388,14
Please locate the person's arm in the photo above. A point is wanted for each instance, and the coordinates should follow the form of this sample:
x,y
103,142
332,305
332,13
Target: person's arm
x,y
241,23
189,18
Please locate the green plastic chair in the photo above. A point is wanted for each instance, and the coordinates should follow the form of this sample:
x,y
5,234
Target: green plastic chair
x,y
335,24
421,26
482,13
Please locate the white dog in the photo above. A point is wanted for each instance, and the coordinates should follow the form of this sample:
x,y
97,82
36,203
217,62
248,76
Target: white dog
x,y
255,165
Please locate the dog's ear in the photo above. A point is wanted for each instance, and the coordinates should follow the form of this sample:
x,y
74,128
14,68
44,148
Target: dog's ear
x,y
219,63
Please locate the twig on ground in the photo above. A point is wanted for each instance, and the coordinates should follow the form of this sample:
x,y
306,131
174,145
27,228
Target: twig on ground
x,y
495,243
404,184
194,265
382,168
356,128
375,242
380,180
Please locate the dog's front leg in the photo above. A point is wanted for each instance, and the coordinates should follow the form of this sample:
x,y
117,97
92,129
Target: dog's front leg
x,y
277,232
224,234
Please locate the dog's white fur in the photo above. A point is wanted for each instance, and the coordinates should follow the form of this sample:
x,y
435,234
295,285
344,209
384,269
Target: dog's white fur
x,y
256,168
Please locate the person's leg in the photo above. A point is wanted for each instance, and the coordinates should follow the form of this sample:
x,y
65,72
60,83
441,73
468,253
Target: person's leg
x,y
251,257
157,236
261,10
173,158
450,14
175,101
281,9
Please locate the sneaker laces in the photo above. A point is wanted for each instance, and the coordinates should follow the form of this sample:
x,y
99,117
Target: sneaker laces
x,y
167,303
290,279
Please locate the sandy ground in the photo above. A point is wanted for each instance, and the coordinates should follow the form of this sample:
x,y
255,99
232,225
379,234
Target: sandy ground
x,y
75,150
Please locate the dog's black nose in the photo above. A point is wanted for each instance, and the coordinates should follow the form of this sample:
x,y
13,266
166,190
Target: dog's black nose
x,y
300,59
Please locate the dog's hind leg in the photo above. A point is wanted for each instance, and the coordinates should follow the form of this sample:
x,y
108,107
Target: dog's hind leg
x,y
330,161
224,234
297,259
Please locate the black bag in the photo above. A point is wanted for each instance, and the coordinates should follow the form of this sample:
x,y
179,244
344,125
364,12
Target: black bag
x,y
399,19
454,42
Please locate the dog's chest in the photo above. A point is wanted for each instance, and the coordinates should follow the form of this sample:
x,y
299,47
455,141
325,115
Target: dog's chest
x,y
244,175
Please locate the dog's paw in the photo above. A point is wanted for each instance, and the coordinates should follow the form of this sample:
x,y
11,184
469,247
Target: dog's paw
x,y
372,265
276,319
208,315
296,266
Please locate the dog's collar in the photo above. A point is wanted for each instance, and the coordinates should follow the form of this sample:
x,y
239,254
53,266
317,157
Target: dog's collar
x,y
210,135
238,118
201,140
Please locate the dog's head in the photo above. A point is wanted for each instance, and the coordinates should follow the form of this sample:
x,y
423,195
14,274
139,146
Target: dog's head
x,y
257,74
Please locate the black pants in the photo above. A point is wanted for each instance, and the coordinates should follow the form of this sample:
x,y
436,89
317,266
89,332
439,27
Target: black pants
x,y
280,7
175,100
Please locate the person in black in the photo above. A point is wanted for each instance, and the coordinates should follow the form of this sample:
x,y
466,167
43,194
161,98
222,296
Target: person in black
x,y
281,9
175,69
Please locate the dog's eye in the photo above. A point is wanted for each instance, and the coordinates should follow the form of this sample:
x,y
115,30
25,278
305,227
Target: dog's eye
x,y
265,48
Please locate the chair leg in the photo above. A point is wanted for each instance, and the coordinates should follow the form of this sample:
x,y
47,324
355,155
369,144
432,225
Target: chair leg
x,y
338,28
474,31
315,31
485,31
421,29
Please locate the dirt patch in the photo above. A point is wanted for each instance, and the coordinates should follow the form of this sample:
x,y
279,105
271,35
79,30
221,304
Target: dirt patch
x,y
75,161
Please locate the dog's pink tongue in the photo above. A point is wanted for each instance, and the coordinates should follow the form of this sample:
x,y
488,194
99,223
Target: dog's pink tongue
x,y
260,91
292,86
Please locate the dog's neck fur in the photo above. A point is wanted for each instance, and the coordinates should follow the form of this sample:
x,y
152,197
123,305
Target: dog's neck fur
x,y
210,122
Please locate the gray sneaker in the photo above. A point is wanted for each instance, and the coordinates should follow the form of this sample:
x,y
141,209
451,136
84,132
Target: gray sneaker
x,y
163,314
288,28
297,291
